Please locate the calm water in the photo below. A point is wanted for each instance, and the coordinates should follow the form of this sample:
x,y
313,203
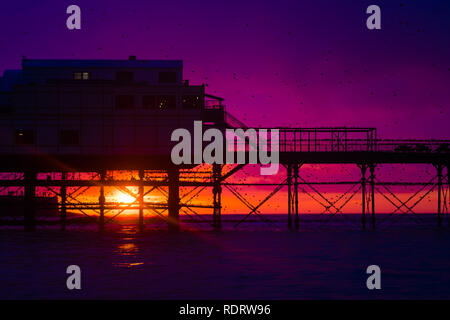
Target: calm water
x,y
255,261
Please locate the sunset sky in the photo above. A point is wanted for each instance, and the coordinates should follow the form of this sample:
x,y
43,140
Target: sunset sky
x,y
276,63
314,60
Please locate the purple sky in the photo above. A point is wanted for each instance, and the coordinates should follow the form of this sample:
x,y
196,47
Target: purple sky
x,y
278,63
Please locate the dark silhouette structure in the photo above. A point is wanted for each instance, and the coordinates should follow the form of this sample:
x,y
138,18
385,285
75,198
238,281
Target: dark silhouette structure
x,y
68,117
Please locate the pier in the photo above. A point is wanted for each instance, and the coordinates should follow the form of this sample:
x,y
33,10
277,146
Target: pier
x,y
70,135
298,146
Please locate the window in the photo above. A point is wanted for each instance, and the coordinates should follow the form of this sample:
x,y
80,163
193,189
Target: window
x,y
81,76
69,137
167,77
167,102
149,102
191,102
24,137
124,101
124,76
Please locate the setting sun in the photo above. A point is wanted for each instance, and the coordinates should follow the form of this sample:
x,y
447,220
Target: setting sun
x,y
125,198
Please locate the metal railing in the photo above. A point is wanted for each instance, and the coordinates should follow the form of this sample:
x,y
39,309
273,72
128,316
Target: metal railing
x,y
339,139
413,146
327,139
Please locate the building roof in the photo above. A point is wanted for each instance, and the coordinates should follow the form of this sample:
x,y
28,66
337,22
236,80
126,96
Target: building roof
x,y
130,63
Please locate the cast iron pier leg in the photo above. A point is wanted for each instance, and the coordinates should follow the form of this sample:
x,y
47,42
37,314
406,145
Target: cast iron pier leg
x,y
439,174
289,182
372,192
296,167
174,199
217,191
363,184
30,203
448,193
63,201
101,201
141,200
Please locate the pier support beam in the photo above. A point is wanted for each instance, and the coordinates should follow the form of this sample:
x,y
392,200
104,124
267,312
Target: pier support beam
x,y
296,167
141,200
289,183
30,200
174,198
217,192
448,194
63,202
439,175
101,201
363,191
372,192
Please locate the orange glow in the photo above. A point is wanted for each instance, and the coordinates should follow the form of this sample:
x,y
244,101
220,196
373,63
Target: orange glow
x,y
124,198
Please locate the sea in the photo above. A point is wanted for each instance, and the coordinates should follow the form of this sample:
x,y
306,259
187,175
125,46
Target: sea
x,y
254,258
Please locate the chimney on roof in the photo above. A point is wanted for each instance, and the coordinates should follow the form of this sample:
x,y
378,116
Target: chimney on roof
x,y
132,58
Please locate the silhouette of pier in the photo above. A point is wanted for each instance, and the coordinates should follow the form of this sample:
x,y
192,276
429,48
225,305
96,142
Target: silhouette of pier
x,y
99,129
157,173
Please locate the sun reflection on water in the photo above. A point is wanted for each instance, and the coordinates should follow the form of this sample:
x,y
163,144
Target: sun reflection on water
x,y
128,249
